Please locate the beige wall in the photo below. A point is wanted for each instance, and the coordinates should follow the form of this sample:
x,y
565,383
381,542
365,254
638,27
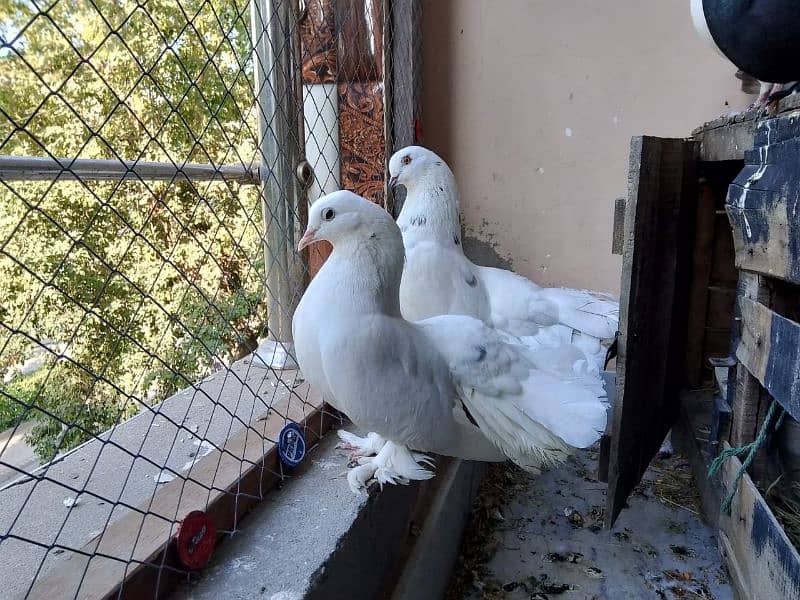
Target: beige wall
x,y
507,81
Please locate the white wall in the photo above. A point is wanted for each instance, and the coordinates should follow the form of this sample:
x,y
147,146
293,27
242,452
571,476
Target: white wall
x,y
507,81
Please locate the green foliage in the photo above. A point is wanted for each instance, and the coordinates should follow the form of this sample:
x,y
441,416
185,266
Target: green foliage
x,y
145,284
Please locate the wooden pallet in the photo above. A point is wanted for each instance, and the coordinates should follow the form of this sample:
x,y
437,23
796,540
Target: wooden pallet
x,y
763,206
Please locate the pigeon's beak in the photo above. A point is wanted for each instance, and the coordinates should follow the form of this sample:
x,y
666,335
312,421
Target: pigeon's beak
x,y
393,183
307,239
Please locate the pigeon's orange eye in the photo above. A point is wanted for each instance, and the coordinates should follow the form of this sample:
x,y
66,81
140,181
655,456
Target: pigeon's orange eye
x,y
406,159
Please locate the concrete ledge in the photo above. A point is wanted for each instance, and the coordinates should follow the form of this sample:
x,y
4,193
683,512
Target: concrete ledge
x,y
315,539
55,512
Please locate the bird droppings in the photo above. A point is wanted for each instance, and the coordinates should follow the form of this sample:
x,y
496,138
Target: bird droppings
x,y
70,501
568,132
540,171
615,119
656,550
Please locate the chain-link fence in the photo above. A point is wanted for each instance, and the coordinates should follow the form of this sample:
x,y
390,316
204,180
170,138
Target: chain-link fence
x,y
156,162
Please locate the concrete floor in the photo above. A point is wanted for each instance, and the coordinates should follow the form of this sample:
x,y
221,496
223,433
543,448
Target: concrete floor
x,y
542,537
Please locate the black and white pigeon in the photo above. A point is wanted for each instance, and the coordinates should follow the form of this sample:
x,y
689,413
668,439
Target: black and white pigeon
x,y
758,36
448,385
439,279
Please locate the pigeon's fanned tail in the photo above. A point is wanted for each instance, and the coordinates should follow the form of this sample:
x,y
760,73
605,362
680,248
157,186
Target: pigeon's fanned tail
x,y
540,427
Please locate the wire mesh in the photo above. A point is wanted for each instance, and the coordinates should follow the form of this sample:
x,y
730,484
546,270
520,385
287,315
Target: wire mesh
x,y
150,210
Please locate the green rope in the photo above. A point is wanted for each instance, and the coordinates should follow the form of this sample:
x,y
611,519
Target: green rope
x,y
750,450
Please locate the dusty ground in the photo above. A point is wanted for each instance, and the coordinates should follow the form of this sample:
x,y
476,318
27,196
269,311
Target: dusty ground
x,y
541,537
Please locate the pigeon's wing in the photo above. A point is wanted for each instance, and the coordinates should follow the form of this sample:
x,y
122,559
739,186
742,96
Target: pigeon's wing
x,y
587,312
533,414
519,306
387,378
516,305
438,280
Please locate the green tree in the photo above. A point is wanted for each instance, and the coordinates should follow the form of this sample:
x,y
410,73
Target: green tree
x,y
144,285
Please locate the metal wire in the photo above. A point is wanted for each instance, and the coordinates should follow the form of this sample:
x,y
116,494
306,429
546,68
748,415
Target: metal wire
x,y
150,204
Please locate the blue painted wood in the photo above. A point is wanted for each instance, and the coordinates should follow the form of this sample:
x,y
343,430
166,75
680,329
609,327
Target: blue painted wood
x,y
763,202
782,374
770,350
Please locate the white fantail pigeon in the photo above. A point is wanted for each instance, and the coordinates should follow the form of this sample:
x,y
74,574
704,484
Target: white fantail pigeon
x,y
758,36
439,279
448,385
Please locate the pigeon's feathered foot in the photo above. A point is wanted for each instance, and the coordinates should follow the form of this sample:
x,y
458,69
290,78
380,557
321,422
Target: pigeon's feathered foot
x,y
360,446
394,464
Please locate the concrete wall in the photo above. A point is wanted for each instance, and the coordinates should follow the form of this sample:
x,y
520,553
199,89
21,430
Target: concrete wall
x,y
533,104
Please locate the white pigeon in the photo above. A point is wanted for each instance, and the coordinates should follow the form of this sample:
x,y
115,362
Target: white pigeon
x,y
439,279
448,385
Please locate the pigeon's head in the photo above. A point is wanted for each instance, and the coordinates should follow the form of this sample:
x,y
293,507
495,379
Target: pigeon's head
x,y
344,215
412,164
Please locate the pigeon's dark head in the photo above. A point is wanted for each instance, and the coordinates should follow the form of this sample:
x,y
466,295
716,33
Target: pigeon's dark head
x,y
343,216
412,164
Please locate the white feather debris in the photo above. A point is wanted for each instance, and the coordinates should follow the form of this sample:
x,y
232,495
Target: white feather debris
x,y
163,477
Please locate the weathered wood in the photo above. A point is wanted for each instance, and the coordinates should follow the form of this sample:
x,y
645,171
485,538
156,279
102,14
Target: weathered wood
x,y
719,312
763,562
702,254
404,87
689,435
770,350
406,71
359,40
726,141
653,307
720,420
764,199
746,400
134,556
618,235
767,239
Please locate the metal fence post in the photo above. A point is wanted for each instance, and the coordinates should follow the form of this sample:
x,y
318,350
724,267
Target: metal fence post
x,y
276,49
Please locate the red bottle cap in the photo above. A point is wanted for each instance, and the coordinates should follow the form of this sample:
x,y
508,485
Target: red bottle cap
x,y
197,537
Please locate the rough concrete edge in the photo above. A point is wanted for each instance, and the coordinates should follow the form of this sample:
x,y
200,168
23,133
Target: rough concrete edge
x,y
385,555
428,568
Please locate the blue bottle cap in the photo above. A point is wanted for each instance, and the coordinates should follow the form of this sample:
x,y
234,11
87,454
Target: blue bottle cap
x,y
291,445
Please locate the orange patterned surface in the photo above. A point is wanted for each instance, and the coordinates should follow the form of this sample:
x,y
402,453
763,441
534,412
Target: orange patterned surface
x,y
361,139
318,41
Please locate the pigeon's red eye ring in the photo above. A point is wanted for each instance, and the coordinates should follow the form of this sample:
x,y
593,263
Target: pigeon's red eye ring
x,y
406,159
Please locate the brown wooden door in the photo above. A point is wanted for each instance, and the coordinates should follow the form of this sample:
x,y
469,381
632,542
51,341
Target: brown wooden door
x,y
656,267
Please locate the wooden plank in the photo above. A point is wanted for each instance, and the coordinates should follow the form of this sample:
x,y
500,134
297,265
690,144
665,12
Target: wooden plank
x,y
770,350
767,238
653,310
359,33
721,300
762,560
726,142
404,87
702,253
618,235
406,78
764,199
689,435
128,559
